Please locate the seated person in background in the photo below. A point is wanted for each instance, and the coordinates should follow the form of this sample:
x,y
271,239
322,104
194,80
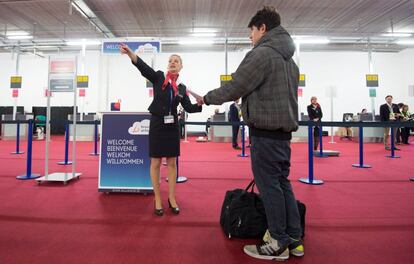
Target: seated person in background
x,y
40,126
347,117
315,114
388,112
364,111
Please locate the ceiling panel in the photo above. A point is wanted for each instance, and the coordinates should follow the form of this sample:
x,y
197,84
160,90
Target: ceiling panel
x,y
52,19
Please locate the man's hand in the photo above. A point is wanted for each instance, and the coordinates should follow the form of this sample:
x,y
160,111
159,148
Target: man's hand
x,y
200,100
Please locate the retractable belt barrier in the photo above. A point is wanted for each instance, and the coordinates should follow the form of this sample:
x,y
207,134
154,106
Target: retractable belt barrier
x,y
309,124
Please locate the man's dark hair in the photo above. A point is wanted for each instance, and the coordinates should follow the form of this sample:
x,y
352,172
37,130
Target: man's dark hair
x,y
268,16
388,96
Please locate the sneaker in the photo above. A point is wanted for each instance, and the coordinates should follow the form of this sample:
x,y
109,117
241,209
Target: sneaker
x,y
296,248
269,250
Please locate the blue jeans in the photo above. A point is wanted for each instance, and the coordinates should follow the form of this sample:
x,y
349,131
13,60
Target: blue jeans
x,y
271,165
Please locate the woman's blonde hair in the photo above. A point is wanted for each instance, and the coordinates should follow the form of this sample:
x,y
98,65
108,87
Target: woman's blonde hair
x,y
179,57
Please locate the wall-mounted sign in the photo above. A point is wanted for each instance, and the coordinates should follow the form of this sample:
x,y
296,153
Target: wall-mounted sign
x,y
47,93
15,93
224,79
82,81
372,92
112,46
62,65
302,80
16,82
372,80
62,73
82,92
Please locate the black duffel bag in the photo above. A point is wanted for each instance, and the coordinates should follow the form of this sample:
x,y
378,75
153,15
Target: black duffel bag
x,y
243,214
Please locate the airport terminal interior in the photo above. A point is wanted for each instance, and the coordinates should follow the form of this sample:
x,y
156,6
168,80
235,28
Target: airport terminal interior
x,y
74,129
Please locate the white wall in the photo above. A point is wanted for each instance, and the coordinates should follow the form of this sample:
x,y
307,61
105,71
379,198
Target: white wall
x,y
113,77
346,71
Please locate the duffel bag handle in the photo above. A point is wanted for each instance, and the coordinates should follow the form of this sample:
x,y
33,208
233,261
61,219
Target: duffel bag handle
x,y
251,185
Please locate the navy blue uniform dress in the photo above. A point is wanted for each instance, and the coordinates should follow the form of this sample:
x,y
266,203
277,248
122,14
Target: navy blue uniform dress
x,y
164,139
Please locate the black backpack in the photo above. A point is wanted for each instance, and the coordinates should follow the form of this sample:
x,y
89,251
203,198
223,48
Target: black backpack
x,y
243,214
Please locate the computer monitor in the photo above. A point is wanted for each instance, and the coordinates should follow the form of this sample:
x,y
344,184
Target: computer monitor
x,y
347,117
366,117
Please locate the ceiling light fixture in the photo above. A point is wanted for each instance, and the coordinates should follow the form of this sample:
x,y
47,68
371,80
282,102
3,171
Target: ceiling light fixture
x,y
83,41
204,30
20,37
406,42
312,40
17,33
196,42
397,35
203,34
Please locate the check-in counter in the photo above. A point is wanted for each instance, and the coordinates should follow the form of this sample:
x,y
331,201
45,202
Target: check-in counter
x,y
84,132
301,135
220,133
9,131
371,134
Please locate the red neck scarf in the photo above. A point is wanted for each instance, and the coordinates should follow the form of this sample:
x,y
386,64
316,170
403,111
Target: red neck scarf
x,y
173,77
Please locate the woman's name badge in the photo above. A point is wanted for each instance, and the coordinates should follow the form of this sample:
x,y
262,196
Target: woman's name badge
x,y
169,119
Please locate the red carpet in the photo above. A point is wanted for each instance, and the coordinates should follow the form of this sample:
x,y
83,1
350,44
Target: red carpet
x,y
356,216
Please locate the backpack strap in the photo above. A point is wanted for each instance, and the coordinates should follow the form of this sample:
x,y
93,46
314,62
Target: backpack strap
x,y
251,185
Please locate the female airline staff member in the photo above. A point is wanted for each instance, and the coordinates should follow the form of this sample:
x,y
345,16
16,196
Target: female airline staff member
x,y
164,137
315,114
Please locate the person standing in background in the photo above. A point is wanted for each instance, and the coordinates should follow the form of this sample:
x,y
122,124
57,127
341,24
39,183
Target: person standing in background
x,y
315,114
182,117
234,116
389,112
405,131
398,133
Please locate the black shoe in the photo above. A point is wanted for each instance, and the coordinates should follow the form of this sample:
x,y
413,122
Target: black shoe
x,y
387,148
175,210
236,147
395,148
158,212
